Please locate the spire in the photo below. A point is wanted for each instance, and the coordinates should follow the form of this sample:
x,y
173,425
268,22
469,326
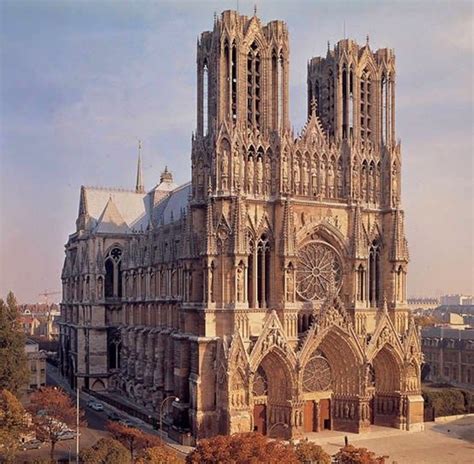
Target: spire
x,y
399,243
210,226
314,106
288,229
139,187
359,241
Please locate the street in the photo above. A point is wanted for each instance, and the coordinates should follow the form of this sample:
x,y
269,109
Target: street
x,y
93,431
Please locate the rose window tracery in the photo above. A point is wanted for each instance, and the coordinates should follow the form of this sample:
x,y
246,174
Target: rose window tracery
x,y
318,263
317,375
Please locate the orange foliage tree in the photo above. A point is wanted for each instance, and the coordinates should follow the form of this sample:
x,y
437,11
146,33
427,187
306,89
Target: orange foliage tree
x,y
244,448
158,455
52,411
307,451
133,439
352,455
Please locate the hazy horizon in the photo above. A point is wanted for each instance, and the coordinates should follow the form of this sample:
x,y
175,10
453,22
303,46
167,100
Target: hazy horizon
x,y
80,82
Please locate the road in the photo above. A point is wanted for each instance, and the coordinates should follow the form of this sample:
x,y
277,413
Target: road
x,y
94,431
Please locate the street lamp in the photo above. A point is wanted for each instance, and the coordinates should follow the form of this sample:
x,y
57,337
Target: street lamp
x,y
174,398
285,426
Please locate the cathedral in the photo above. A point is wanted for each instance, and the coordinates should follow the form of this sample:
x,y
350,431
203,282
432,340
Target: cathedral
x,y
269,293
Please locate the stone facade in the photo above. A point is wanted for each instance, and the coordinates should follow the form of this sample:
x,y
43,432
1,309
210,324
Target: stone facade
x,y
449,355
269,293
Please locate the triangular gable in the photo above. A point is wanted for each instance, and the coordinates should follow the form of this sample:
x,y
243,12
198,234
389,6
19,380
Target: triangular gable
x,y
385,333
111,221
272,337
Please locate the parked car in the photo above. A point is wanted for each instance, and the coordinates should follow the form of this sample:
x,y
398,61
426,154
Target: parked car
x,y
96,406
127,423
31,444
113,416
68,435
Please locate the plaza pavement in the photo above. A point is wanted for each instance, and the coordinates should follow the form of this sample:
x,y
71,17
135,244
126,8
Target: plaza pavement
x,y
450,442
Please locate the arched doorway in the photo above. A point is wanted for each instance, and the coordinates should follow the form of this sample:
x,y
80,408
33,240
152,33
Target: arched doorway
x,y
272,391
386,401
330,383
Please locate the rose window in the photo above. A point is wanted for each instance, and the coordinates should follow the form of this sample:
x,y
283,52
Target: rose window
x,y
318,263
260,383
317,375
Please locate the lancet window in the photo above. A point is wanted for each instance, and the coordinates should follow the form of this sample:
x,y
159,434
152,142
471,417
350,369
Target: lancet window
x,y
365,107
277,89
361,283
205,99
374,274
113,273
258,284
253,86
347,102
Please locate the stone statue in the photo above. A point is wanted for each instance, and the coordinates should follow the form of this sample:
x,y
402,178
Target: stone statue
x,y
259,175
284,169
250,175
394,186
224,170
305,178
323,179
339,181
296,177
290,285
240,284
236,171
355,182
330,180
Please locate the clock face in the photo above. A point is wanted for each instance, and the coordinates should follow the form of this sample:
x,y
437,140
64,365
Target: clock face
x,y
318,263
317,375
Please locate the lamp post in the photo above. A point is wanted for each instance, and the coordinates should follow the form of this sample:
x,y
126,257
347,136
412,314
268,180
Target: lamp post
x,y
285,426
174,398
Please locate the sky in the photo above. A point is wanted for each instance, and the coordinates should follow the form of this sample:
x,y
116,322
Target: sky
x,y
82,81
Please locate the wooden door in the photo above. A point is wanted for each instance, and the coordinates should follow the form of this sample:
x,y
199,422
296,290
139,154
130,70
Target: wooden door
x,y
309,425
260,418
324,414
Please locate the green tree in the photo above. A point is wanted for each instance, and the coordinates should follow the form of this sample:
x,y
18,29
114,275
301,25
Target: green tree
x,y
308,452
13,362
352,455
13,423
52,409
105,451
242,448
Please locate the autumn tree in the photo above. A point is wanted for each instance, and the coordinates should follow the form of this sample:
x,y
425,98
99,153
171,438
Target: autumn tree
x,y
244,448
133,439
309,452
13,362
352,455
105,451
52,409
13,423
158,455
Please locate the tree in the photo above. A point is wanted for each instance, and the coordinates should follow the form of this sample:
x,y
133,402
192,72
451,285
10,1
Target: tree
x,y
13,362
133,439
242,448
53,410
310,453
105,451
352,455
13,423
157,455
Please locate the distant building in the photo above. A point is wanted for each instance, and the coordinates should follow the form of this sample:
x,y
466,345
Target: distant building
x,y
449,355
456,300
37,365
40,320
422,303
